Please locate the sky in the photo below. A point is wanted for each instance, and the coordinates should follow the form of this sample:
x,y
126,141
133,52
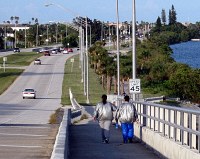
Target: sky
x,y
104,10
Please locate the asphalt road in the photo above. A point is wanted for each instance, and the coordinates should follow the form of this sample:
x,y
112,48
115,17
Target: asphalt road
x,y
24,129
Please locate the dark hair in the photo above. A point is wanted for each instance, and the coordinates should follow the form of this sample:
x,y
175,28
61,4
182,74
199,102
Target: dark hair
x,y
126,98
104,96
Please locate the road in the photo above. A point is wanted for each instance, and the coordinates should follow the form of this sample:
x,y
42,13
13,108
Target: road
x,y
24,122
6,53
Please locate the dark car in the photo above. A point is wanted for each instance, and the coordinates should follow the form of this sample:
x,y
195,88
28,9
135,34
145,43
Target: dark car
x,y
47,53
16,49
70,50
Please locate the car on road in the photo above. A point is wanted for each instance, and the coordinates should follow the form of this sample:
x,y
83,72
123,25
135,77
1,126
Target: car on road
x,y
65,51
37,62
47,53
70,50
54,51
16,49
29,93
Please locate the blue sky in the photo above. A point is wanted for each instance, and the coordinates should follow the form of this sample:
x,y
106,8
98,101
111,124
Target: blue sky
x,y
146,10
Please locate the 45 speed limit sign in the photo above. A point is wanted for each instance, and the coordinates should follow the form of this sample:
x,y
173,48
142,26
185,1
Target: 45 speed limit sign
x,y
134,86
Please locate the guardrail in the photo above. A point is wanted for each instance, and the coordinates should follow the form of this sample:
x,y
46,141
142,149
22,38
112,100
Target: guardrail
x,y
180,124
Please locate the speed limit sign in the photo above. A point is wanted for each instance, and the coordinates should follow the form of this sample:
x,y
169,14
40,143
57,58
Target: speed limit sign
x,y
134,86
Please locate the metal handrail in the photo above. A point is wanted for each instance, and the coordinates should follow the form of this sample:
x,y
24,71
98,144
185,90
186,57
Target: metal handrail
x,y
180,124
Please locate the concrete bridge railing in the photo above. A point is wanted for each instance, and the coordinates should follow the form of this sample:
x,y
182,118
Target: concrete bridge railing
x,y
173,132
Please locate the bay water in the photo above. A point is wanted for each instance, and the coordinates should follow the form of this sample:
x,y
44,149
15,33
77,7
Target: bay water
x,y
187,53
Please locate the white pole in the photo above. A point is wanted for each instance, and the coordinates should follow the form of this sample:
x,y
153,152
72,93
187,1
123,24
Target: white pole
x,y
133,46
90,36
25,37
15,36
118,69
37,36
5,38
56,33
87,68
109,35
84,71
47,35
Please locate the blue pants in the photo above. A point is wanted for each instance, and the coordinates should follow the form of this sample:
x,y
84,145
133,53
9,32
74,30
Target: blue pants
x,y
127,131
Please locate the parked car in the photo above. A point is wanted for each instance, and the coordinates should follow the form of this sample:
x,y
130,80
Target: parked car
x,y
16,49
65,51
29,93
37,62
54,51
47,53
70,50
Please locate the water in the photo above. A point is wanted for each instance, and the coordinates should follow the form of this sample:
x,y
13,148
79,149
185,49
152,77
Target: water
x,y
187,53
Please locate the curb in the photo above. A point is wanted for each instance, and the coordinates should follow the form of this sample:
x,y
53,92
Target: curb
x,y
61,146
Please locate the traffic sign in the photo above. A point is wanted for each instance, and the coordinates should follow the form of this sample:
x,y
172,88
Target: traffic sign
x,y
72,60
134,86
4,59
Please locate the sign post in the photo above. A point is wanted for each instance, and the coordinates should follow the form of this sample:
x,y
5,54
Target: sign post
x,y
134,86
4,63
72,61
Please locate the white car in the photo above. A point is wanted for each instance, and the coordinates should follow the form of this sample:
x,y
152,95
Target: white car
x,y
65,51
29,93
37,62
54,51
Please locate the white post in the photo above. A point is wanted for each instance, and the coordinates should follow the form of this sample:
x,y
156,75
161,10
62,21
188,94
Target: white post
x,y
109,36
15,36
25,37
133,47
37,36
87,67
118,69
47,35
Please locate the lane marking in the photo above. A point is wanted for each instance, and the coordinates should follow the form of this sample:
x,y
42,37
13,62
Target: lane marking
x,y
29,127
29,135
18,146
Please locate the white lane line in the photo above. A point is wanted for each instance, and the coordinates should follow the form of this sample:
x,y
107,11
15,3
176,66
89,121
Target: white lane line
x,y
29,135
18,146
25,127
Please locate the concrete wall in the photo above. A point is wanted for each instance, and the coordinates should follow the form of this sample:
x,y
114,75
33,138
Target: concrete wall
x,y
163,145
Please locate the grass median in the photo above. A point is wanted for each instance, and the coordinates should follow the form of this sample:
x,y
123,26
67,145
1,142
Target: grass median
x,y
72,79
21,59
14,60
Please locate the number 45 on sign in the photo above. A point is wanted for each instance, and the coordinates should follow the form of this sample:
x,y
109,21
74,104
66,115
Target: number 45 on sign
x,y
134,86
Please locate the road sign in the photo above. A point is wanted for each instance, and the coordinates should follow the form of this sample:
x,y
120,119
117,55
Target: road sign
x,y
4,59
72,59
134,86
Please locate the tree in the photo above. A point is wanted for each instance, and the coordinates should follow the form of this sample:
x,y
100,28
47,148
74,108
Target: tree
x,y
158,24
172,16
71,40
163,16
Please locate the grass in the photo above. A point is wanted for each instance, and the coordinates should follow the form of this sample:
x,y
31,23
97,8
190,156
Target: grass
x,y
57,116
73,80
15,60
8,77
21,59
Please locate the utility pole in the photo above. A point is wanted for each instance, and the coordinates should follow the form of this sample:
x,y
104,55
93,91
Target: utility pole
x,y
133,46
118,69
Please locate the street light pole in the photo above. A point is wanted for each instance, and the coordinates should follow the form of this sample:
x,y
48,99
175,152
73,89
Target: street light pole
x,y
47,35
25,37
118,71
87,68
133,46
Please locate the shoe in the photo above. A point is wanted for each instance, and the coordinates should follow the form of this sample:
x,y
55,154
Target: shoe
x,y
125,141
106,141
130,141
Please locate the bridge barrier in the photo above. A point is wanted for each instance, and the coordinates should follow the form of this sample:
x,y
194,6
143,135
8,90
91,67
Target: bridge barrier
x,y
172,131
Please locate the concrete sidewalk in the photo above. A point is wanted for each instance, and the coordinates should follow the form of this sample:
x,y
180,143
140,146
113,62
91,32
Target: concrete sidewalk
x,y
85,143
